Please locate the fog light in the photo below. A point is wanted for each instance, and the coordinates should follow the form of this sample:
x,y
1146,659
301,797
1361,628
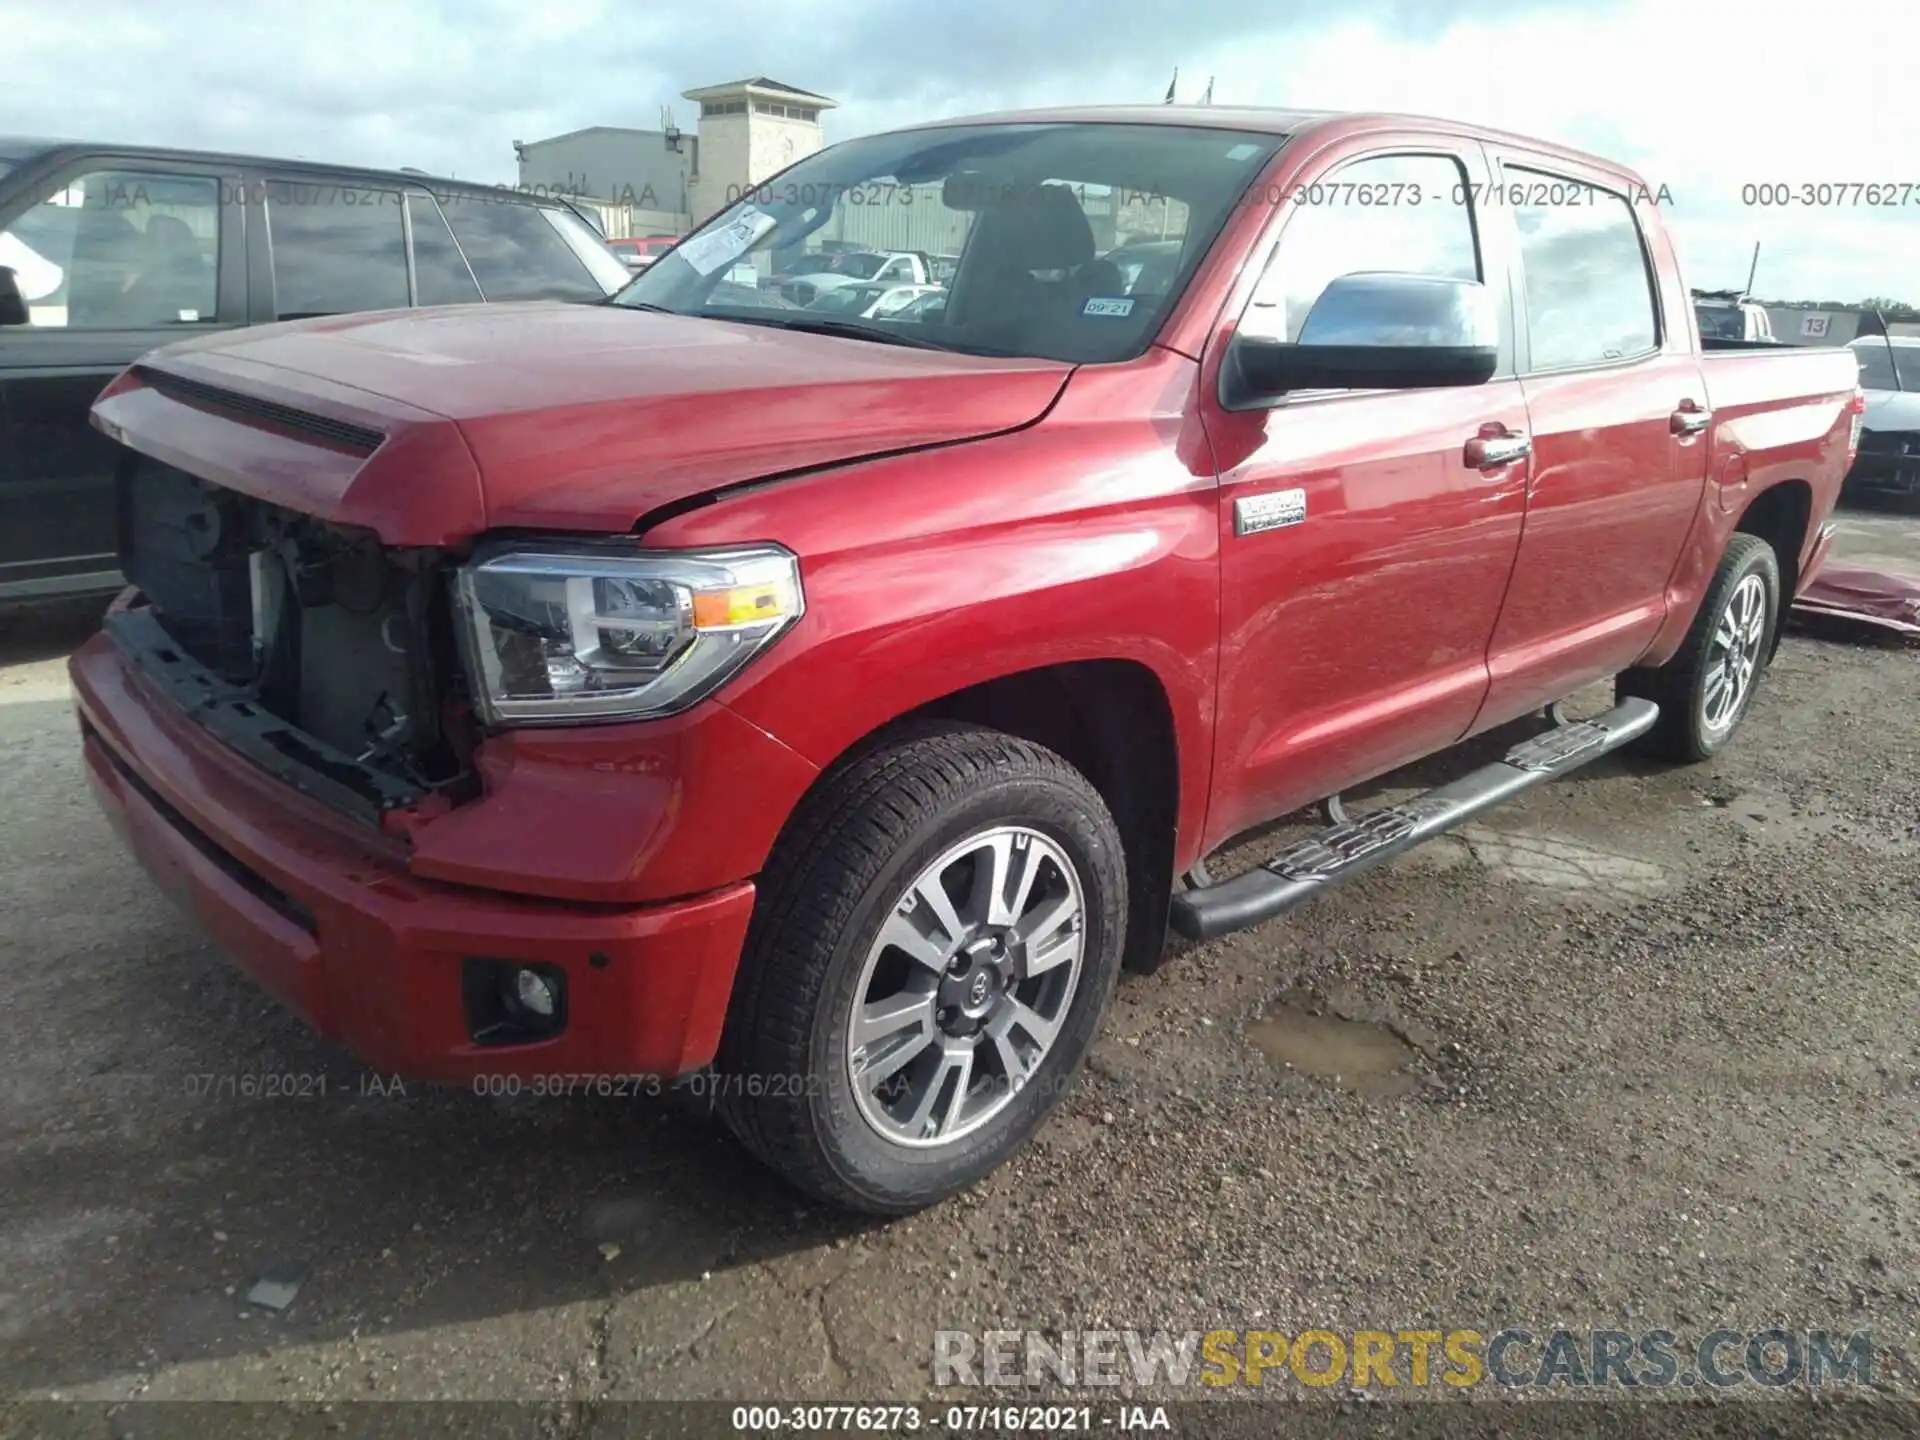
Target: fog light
x,y
513,1002
536,992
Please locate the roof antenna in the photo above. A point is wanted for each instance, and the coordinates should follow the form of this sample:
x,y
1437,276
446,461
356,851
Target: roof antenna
x,y
1752,270
1170,86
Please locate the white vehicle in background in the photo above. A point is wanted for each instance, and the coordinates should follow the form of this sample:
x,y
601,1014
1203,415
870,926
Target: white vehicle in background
x,y
1147,267
631,254
1729,315
927,308
36,276
870,302
830,271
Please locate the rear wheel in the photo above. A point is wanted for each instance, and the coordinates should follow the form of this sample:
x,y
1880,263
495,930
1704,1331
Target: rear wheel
x,y
934,946
1705,690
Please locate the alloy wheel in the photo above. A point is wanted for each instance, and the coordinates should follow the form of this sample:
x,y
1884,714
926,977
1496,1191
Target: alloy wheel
x,y
965,989
1733,654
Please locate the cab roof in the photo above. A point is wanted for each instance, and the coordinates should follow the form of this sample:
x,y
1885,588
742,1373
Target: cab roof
x,y
1269,120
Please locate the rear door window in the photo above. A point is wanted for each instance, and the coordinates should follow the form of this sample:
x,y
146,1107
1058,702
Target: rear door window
x,y
1589,288
517,253
337,249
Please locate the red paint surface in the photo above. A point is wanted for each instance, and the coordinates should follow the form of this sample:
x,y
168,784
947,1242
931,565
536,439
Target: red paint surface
x,y
1882,599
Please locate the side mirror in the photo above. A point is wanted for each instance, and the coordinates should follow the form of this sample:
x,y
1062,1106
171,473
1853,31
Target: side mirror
x,y
13,305
1376,331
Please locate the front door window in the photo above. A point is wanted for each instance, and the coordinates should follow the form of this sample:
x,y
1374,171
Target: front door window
x,y
118,250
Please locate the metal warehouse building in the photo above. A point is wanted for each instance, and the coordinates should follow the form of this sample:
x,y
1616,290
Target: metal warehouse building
x,y
662,181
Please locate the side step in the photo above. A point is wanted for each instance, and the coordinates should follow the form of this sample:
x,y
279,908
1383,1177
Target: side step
x,y
1348,849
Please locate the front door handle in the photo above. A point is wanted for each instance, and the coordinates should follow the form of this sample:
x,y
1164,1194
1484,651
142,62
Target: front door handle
x,y
1490,450
1690,419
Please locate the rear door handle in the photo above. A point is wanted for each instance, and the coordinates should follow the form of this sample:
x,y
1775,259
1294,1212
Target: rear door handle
x,y
1690,419
1490,452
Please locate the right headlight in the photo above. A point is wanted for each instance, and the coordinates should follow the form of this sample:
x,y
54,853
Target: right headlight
x,y
556,635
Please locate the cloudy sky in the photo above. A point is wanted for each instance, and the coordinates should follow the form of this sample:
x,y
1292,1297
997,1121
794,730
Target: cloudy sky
x,y
1704,97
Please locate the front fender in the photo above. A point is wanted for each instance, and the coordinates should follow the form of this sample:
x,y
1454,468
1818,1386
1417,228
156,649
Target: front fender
x,y
1090,536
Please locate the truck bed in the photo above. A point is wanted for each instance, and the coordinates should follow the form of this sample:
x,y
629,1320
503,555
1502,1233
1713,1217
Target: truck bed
x,y
1745,374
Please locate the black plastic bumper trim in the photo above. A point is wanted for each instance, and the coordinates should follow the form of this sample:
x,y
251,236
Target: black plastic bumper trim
x,y
233,714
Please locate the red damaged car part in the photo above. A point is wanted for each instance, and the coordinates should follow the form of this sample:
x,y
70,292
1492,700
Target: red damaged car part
x,y
1885,599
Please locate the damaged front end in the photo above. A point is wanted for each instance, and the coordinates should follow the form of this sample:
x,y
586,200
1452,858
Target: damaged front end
x,y
310,648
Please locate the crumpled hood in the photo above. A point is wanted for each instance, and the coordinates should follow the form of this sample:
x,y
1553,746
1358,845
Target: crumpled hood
x,y
574,416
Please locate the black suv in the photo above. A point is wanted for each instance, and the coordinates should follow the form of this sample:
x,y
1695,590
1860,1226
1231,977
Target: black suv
x,y
109,251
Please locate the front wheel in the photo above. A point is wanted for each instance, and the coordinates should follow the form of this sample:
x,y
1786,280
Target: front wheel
x,y
1704,691
935,943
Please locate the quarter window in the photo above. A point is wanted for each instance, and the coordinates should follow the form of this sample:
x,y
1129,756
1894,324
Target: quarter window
x,y
336,249
1589,292
118,250
517,253
1407,213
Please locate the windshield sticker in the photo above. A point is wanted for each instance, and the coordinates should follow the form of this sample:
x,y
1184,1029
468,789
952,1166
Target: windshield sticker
x,y
707,253
1117,306
1243,152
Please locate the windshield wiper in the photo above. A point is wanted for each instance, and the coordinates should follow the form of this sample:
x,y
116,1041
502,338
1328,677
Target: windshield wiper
x,y
846,329
821,325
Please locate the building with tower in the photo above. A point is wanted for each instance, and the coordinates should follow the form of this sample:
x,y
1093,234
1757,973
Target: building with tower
x,y
664,181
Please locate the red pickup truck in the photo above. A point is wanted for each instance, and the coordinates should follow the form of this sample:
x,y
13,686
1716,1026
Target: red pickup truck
x,y
832,707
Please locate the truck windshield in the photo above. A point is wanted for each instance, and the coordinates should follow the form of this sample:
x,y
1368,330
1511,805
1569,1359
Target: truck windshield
x,y
1030,210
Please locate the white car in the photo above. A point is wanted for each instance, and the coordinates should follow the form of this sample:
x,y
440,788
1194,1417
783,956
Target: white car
x,y
822,273
870,302
928,308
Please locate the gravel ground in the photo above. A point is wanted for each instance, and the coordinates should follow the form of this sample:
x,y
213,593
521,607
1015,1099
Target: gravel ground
x,y
1639,1051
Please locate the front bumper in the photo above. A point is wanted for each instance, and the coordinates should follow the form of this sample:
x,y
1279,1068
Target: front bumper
x,y
327,916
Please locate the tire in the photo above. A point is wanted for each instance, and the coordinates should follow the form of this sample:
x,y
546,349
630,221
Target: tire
x,y
1696,717
960,802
